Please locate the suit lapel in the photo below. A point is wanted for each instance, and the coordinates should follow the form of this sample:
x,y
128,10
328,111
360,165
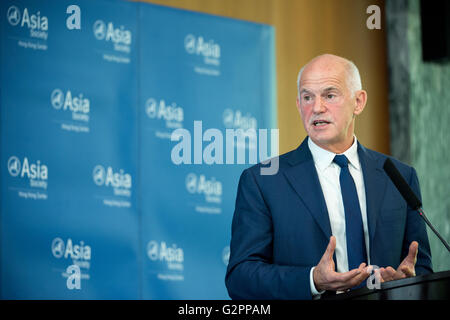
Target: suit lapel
x,y
303,178
375,186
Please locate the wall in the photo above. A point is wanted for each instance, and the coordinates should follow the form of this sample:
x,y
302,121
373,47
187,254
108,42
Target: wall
x,y
419,105
304,29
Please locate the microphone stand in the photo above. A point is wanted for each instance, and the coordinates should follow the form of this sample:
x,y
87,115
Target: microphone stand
x,y
422,214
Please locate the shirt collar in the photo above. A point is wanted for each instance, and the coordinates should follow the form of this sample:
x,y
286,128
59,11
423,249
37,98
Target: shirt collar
x,y
323,158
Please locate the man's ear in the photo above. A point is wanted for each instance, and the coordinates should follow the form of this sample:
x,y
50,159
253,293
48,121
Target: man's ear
x,y
298,103
360,100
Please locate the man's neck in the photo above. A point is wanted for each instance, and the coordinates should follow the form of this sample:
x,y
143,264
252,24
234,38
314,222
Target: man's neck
x,y
336,148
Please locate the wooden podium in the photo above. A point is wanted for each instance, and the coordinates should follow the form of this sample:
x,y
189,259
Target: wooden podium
x,y
434,286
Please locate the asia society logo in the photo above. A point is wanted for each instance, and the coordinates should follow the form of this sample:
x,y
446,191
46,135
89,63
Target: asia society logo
x,y
99,29
150,108
77,104
162,252
160,110
107,177
153,250
235,119
199,184
14,166
107,32
33,21
57,99
191,182
26,168
58,247
189,43
200,46
99,174
13,15
76,251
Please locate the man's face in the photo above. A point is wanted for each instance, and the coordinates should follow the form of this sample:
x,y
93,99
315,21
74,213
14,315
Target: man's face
x,y
327,106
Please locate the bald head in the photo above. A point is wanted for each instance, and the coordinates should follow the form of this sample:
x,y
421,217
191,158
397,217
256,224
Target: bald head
x,y
333,63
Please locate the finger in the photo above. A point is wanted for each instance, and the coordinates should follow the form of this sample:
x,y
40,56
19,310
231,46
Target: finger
x,y
365,268
338,281
408,272
362,266
355,281
388,273
359,278
392,273
399,275
412,254
350,279
344,277
330,248
390,270
385,274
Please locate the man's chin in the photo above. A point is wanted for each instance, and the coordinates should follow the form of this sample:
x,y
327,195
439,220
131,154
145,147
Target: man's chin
x,y
321,138
325,142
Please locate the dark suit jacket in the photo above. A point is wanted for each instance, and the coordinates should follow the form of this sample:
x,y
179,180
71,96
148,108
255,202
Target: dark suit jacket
x,y
281,227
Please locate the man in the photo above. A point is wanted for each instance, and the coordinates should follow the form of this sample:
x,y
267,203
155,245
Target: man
x,y
330,212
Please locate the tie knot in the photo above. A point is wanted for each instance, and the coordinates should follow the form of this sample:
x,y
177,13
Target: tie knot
x,y
341,160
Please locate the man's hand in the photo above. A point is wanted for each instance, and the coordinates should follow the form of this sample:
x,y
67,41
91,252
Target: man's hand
x,y
406,269
326,278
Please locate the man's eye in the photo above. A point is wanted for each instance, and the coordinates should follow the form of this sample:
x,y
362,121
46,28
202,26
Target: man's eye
x,y
330,96
306,98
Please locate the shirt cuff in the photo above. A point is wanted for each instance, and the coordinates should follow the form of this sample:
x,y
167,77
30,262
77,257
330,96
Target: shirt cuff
x,y
314,291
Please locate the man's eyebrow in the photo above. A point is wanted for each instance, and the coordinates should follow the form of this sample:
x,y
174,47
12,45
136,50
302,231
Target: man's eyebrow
x,y
305,91
328,89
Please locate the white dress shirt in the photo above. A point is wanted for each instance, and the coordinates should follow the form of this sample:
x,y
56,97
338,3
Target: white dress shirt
x,y
328,173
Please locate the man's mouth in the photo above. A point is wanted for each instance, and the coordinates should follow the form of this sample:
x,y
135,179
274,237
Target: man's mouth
x,y
317,123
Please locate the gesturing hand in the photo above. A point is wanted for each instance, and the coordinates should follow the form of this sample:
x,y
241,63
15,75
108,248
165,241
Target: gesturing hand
x,y
326,278
406,269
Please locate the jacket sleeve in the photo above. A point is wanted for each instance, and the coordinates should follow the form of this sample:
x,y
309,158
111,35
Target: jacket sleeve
x,y
416,231
251,273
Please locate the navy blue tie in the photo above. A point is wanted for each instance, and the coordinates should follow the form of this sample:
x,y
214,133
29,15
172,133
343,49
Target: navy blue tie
x,y
354,230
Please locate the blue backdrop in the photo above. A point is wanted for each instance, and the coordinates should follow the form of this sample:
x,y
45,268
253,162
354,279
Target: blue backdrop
x,y
86,120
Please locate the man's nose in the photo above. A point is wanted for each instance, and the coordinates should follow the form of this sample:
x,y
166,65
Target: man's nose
x,y
319,106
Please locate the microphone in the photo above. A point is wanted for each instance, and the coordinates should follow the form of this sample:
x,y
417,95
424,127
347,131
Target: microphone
x,y
409,195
